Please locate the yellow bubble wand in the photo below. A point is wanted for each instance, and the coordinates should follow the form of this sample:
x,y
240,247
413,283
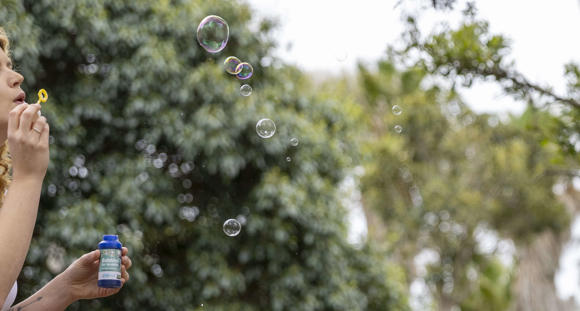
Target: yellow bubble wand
x,y
42,96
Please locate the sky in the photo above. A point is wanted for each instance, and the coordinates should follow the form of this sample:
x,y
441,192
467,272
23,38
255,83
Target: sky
x,y
329,36
332,36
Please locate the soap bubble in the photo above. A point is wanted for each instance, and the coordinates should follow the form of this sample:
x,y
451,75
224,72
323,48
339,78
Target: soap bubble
x,y
341,55
294,141
398,129
288,159
246,90
265,128
231,64
232,227
245,71
213,33
397,110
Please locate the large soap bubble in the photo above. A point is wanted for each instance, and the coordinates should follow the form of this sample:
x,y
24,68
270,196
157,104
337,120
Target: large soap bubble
x,y
265,128
213,33
232,227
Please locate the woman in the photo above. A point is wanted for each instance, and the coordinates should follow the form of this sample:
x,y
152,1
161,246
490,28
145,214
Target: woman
x,y
26,136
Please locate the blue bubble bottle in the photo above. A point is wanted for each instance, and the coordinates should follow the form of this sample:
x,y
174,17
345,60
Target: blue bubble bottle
x,y
110,262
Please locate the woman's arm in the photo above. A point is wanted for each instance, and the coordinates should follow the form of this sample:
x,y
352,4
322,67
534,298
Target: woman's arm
x,y
78,281
17,218
29,151
54,296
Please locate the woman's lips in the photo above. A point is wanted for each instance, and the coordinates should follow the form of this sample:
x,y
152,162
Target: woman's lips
x,y
20,99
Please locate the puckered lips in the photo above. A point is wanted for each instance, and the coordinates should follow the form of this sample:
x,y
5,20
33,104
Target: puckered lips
x,y
20,98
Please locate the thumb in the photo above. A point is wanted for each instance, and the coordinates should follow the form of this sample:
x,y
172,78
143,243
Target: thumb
x,y
89,258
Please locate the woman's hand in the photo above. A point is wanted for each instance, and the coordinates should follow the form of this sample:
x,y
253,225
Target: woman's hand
x,y
82,276
28,142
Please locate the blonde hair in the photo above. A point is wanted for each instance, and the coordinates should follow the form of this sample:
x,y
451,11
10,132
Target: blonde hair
x,y
4,43
5,163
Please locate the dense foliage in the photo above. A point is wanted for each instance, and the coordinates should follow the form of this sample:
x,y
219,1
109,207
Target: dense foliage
x,y
151,140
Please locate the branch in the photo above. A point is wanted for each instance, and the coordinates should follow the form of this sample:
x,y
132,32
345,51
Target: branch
x,y
527,84
563,172
520,81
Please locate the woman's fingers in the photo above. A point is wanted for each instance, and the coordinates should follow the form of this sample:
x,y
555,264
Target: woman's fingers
x,y
44,135
124,274
124,251
126,261
38,125
29,115
14,116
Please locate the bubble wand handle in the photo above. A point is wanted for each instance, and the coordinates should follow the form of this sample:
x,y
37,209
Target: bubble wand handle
x,y
42,97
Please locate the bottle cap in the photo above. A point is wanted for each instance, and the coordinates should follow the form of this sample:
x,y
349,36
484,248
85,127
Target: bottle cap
x,y
110,237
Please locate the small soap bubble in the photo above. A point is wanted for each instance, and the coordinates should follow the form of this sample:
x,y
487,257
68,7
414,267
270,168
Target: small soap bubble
x,y
51,189
398,129
158,163
288,159
397,110
79,160
231,65
73,171
83,172
232,227
246,90
213,33
91,58
265,128
244,71
341,55
294,141
186,183
157,270
150,149
189,213
242,219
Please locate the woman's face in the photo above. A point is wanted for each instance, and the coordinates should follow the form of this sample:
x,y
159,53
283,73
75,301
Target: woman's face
x,y
10,92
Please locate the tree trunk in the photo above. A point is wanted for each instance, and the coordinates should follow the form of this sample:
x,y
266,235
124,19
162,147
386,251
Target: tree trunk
x,y
537,265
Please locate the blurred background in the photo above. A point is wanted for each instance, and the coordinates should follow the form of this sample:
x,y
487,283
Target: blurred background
x,y
437,164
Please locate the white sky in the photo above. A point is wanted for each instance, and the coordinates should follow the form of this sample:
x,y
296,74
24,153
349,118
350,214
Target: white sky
x,y
322,32
332,36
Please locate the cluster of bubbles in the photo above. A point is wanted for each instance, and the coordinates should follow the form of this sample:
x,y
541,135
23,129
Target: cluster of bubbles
x,y
234,66
397,110
212,35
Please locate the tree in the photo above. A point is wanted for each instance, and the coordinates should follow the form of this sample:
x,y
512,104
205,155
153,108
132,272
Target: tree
x,y
452,173
151,140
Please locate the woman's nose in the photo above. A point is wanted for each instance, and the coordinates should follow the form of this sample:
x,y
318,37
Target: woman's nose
x,y
16,79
